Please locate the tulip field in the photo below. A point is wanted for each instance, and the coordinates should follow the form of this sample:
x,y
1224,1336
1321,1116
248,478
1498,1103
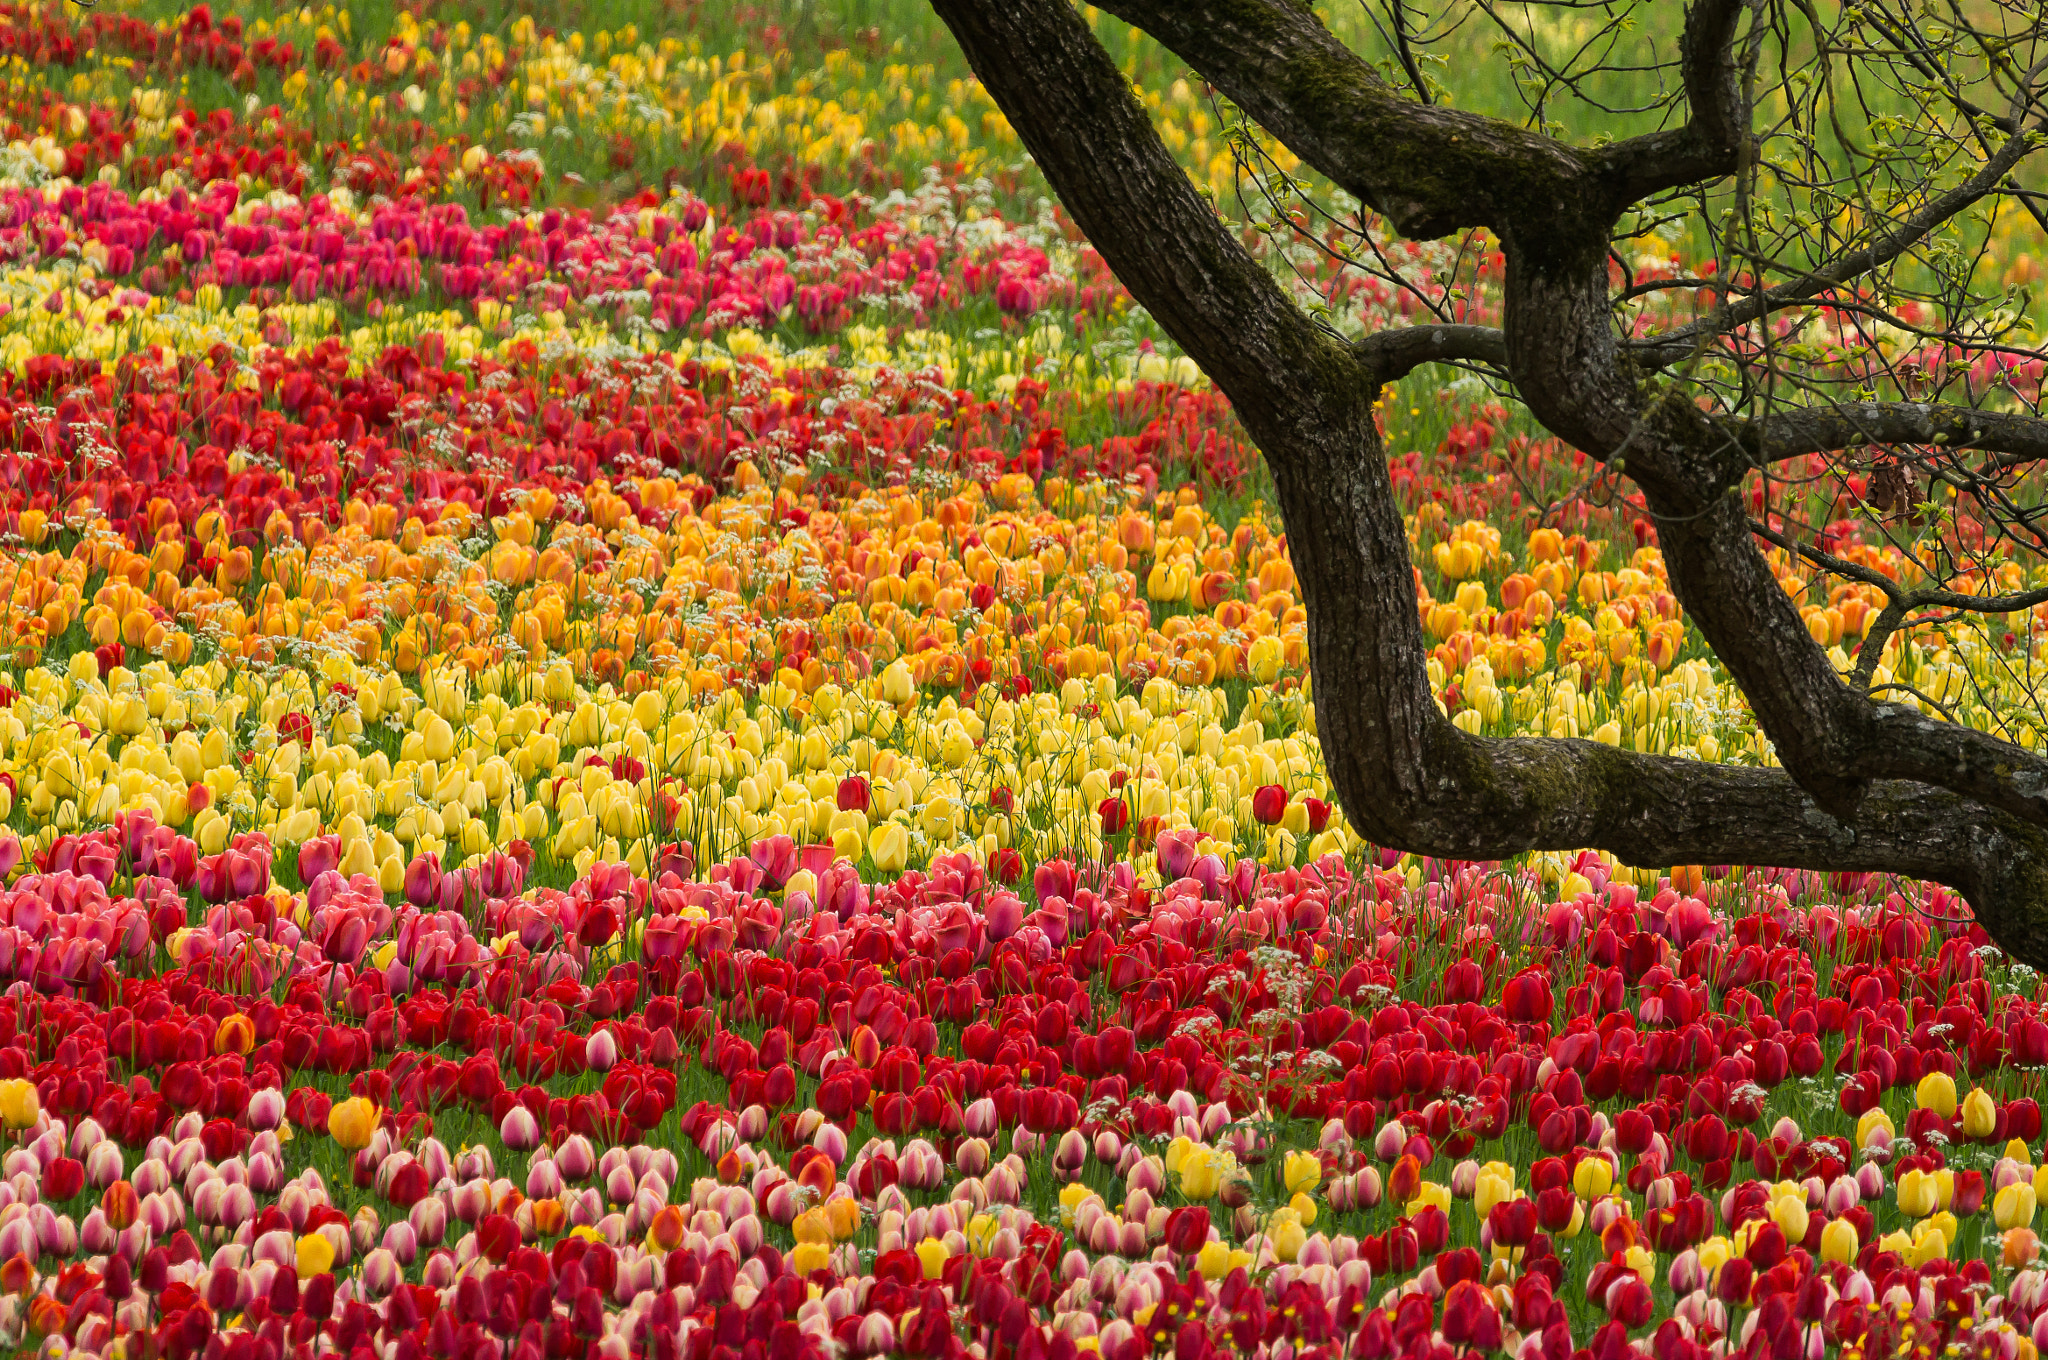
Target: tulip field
x,y
642,715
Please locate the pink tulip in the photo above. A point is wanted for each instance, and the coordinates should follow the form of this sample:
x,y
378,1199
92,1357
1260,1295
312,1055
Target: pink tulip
x,y
519,1130
423,880
429,1221
266,1108
575,1159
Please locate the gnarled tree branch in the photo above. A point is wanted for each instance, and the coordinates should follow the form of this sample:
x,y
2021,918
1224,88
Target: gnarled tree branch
x,y
1430,169
1712,144
1866,786
1392,355
2012,439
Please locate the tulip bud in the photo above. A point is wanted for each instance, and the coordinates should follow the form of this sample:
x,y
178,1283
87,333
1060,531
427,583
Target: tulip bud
x,y
1686,1273
575,1159
600,1051
1980,1115
2013,1207
1838,1241
429,1221
1936,1092
1002,1184
979,1119
237,1207
352,1122
103,1164
519,1129
265,1109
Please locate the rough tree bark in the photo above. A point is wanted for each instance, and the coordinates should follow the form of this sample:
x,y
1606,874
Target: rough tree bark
x,y
1865,785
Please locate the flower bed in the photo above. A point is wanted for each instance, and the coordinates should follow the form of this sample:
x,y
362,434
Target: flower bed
x,y
720,763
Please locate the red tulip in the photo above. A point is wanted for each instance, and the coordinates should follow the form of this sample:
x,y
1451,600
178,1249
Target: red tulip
x,y
1318,815
1768,1247
1115,814
497,1235
1513,1222
1464,982
1554,1208
1269,804
854,794
1705,1139
1969,1193
1526,997
1633,1131
1187,1229
1470,1319
1630,1302
409,1185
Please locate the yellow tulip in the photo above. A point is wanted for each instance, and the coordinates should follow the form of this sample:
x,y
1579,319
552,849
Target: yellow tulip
x,y
1201,1173
1592,1178
1303,1173
316,1255
809,1257
1838,1241
1916,1193
1789,1213
932,1255
1980,1114
1427,1194
1217,1259
1929,1244
1304,1209
1936,1092
1490,1189
889,847
19,1104
2013,1207
1286,1235
352,1122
